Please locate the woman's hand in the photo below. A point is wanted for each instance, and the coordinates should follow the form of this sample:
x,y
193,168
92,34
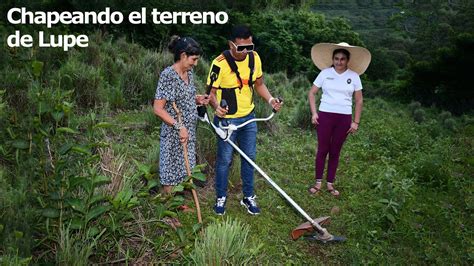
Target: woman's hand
x,y
202,99
314,119
353,129
183,135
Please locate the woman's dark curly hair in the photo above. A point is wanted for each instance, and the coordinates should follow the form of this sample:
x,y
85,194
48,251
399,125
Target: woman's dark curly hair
x,y
186,45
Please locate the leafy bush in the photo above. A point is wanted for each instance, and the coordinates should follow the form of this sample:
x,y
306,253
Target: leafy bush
x,y
449,123
52,59
445,115
419,115
115,98
3,106
206,146
302,115
300,82
414,106
17,211
137,84
14,260
225,243
15,81
153,122
52,107
444,78
86,81
431,169
381,66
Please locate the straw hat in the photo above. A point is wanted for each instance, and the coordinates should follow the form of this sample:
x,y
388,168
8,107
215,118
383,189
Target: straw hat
x,y
321,54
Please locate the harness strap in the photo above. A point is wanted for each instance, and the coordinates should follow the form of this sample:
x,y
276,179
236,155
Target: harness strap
x,y
233,66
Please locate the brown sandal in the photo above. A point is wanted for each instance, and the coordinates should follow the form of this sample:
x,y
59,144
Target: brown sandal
x,y
334,192
313,189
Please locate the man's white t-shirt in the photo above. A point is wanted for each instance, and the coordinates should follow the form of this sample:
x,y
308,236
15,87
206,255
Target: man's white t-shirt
x,y
337,90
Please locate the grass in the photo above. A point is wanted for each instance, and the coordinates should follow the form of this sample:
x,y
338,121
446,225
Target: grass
x,y
224,244
405,178
389,210
406,192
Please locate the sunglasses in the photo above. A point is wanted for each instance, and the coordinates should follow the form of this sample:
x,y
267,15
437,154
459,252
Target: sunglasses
x,y
243,47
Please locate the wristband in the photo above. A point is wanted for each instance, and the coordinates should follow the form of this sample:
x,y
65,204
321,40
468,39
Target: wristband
x,y
177,125
270,100
356,122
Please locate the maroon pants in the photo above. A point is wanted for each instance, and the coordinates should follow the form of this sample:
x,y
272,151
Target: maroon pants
x,y
332,132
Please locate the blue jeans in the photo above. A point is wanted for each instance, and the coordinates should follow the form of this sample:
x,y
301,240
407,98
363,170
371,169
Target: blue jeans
x,y
246,139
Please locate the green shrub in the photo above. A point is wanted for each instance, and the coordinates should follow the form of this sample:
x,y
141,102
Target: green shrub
x,y
155,62
52,107
302,115
379,103
224,243
296,90
137,84
280,78
115,98
206,146
14,260
300,82
129,52
91,55
430,169
445,115
414,106
382,66
86,81
52,58
16,83
200,75
152,121
16,216
419,115
449,123
3,105
438,81
286,44
110,70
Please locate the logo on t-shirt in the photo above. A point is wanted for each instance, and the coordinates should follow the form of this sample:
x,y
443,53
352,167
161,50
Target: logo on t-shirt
x,y
330,78
349,81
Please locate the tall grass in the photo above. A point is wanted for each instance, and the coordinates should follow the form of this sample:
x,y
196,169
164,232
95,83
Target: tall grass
x,y
225,243
16,213
72,248
86,81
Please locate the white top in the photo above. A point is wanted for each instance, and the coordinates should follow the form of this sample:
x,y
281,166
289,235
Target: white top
x,y
337,90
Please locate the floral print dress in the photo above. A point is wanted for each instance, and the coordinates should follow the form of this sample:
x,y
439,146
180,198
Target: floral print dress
x,y
173,89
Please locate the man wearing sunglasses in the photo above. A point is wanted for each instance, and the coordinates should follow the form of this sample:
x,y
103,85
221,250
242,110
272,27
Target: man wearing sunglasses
x,y
235,76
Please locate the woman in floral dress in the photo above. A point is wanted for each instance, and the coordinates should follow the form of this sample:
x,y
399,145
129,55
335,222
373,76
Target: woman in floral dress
x,y
176,85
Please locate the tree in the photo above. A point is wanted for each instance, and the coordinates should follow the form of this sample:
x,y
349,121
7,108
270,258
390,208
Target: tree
x,y
445,80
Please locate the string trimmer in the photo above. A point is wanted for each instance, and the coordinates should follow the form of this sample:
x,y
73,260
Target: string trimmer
x,y
224,132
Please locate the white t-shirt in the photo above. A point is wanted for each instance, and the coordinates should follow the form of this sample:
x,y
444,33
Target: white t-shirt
x,y
337,90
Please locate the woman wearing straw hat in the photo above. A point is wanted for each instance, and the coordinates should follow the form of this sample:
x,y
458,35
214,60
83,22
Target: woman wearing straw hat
x,y
340,65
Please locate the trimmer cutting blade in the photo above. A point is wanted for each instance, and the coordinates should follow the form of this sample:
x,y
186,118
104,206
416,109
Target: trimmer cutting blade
x,y
332,239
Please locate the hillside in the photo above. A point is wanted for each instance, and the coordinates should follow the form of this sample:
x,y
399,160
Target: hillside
x,y
79,180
